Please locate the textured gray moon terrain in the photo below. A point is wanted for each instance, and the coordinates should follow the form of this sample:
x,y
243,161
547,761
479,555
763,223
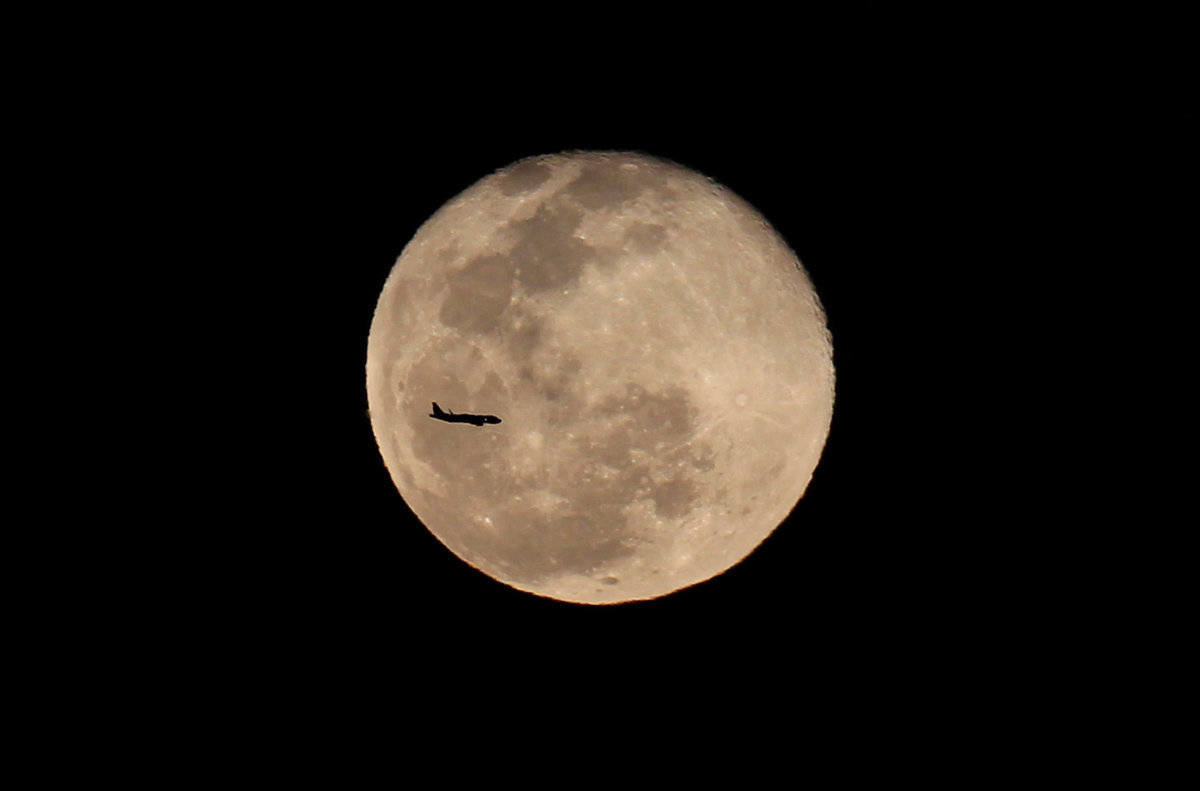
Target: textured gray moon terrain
x,y
657,356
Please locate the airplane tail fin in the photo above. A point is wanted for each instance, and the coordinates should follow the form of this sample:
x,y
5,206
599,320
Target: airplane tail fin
x,y
437,410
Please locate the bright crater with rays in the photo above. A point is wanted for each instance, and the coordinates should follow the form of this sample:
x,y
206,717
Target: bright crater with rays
x,y
658,357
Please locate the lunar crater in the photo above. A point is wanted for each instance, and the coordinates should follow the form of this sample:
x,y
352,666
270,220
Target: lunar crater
x,y
546,254
602,186
524,177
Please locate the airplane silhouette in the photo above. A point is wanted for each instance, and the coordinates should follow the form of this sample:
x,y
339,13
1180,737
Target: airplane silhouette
x,y
450,417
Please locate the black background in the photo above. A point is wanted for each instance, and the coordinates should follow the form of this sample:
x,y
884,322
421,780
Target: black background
x,y
884,181
857,188
256,563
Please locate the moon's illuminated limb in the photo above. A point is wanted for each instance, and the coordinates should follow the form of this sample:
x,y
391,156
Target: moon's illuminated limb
x,y
658,357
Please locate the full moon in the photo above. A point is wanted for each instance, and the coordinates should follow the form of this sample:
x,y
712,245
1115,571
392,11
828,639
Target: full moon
x,y
657,358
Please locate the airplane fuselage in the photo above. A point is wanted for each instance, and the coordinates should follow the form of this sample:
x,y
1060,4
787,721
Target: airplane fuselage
x,y
449,417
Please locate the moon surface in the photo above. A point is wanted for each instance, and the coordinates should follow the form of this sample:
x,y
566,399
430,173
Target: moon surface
x,y
655,351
